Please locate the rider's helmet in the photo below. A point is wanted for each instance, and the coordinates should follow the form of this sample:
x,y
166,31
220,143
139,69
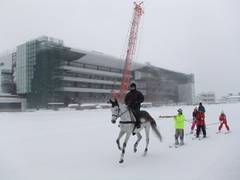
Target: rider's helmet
x,y
132,86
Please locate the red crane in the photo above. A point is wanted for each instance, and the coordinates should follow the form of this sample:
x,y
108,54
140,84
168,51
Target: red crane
x,y
132,41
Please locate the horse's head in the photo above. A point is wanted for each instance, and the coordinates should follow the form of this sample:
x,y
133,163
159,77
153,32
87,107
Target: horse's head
x,y
115,110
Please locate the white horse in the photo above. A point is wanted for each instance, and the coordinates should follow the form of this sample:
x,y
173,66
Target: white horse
x,y
127,126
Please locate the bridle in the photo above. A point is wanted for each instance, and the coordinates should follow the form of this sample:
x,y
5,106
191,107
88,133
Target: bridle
x,y
119,115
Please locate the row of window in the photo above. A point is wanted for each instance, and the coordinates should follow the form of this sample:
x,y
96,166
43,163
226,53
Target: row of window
x,y
90,76
85,97
89,85
91,66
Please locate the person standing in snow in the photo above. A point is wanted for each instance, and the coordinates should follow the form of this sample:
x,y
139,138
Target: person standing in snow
x,y
223,121
201,108
194,120
201,126
133,100
179,127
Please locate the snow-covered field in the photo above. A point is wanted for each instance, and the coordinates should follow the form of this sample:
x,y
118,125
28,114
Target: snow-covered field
x,y
80,145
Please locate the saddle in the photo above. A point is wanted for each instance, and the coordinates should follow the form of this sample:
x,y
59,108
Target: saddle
x,y
143,116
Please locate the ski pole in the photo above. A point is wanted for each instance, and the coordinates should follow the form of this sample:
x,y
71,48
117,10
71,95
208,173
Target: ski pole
x,y
212,124
166,116
189,121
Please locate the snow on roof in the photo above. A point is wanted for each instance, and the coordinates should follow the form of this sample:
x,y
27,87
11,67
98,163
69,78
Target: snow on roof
x,y
73,105
88,104
55,103
101,59
104,104
233,97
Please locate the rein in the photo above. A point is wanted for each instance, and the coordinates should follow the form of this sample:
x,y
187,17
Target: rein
x,y
127,122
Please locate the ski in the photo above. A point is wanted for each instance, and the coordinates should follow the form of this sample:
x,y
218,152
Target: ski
x,y
228,132
187,134
199,138
223,132
195,138
175,146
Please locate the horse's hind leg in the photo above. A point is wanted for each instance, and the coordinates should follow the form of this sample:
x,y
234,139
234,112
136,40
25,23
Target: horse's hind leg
x,y
147,129
124,147
139,136
121,133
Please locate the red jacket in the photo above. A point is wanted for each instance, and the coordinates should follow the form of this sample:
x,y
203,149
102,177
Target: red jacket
x,y
223,118
200,119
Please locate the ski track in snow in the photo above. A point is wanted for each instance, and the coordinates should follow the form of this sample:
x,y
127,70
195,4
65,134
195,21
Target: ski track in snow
x,y
73,145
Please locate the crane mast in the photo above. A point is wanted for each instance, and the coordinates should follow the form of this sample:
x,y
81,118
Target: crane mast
x,y
132,42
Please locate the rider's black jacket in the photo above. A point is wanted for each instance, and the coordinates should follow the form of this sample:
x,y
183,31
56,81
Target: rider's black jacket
x,y
133,99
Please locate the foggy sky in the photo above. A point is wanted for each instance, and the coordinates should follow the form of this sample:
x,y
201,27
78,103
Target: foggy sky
x,y
200,37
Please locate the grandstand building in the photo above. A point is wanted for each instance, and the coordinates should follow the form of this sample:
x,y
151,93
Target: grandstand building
x,y
44,70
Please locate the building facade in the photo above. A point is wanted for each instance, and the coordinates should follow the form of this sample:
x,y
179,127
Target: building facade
x,y
163,86
12,103
7,85
230,98
44,70
207,97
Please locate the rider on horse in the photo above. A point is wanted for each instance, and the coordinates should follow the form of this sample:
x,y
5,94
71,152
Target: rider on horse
x,y
133,100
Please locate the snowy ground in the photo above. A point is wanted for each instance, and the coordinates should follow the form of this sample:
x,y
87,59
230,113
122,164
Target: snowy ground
x,y
80,145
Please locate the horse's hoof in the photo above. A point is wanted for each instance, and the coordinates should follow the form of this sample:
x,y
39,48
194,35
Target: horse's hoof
x,y
121,161
145,152
119,148
135,150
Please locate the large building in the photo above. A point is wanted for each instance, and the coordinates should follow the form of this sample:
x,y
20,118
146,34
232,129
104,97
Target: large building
x,y
230,98
163,86
207,97
7,85
44,70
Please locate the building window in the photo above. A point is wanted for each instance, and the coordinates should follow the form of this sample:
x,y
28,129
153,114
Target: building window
x,y
104,68
90,66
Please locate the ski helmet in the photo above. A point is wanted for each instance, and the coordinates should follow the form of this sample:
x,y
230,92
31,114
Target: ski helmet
x,y
180,110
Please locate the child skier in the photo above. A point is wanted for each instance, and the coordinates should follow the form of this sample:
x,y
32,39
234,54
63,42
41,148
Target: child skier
x,y
201,126
223,120
179,126
194,120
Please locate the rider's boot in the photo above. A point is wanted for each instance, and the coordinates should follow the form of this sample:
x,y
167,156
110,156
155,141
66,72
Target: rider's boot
x,y
138,125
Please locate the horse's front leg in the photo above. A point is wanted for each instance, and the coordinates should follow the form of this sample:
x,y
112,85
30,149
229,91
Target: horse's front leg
x,y
121,133
147,129
139,136
124,146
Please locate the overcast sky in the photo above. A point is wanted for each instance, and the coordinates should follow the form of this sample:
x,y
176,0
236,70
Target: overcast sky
x,y
200,37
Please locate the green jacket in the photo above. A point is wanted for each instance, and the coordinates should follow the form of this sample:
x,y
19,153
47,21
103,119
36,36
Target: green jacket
x,y
179,121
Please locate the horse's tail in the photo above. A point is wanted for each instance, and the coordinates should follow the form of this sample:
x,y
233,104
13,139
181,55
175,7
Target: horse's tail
x,y
155,129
